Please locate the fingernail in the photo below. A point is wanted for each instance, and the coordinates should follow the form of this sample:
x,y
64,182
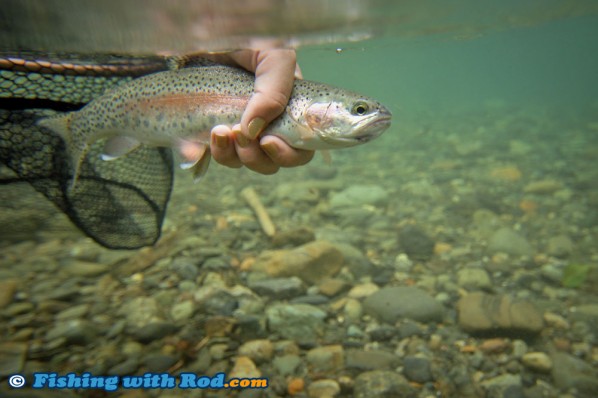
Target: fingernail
x,y
255,127
241,140
270,149
220,141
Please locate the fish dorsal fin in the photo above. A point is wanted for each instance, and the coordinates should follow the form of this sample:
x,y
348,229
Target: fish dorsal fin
x,y
118,146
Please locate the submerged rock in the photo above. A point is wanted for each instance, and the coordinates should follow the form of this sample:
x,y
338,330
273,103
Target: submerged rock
x,y
7,291
570,372
416,243
382,384
326,359
417,369
393,303
474,278
498,314
508,241
560,246
359,195
299,322
278,288
311,262
12,357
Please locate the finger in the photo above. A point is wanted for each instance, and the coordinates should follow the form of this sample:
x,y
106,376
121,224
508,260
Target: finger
x,y
298,73
223,148
274,76
282,154
251,155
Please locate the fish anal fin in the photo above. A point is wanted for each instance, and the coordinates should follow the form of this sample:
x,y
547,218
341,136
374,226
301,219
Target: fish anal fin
x,y
197,158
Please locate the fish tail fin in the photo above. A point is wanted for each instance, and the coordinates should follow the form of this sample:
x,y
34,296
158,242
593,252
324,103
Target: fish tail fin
x,y
76,145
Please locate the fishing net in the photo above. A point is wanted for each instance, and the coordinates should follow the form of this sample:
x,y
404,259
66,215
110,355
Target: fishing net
x,y
120,204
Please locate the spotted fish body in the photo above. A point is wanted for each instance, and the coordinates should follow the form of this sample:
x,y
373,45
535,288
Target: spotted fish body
x,y
178,109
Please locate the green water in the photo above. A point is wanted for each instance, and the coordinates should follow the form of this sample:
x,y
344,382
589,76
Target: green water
x,y
486,183
551,64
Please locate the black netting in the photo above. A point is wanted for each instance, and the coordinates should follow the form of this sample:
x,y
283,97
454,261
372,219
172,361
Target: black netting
x,y
120,204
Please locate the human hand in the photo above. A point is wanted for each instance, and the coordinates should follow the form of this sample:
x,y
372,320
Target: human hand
x,y
275,72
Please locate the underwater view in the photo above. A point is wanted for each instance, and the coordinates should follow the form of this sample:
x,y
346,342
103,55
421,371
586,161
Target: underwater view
x,y
448,250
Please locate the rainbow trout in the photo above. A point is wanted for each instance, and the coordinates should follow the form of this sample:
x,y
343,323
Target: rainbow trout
x,y
178,109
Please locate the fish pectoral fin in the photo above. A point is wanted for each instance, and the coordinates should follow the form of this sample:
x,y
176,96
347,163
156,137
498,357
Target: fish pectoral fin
x,y
326,156
197,158
116,147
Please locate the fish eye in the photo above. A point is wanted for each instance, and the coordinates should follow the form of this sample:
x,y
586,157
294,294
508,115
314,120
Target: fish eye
x,y
360,108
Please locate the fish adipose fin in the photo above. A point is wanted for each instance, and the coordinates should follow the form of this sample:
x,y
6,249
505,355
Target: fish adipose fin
x,y
75,144
116,147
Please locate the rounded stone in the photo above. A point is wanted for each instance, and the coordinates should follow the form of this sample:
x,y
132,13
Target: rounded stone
x,y
538,361
391,304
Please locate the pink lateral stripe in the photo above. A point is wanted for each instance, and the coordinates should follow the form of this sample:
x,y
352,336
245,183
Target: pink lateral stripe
x,y
191,101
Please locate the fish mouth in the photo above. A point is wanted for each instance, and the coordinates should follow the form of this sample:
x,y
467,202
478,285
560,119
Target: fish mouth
x,y
374,128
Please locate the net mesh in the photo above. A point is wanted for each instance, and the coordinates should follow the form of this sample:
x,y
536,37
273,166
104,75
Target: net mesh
x,y
121,203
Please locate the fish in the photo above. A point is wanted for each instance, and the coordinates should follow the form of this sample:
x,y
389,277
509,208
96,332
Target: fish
x,y
178,108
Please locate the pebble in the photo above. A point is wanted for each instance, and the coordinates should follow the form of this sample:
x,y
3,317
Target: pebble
x,y
311,262
12,357
382,384
357,263
299,322
258,350
417,369
293,237
127,367
278,288
498,314
538,361
352,310
391,304
560,246
416,243
76,311
182,311
363,290
244,368
555,320
287,365
332,286
371,359
510,242
153,331
7,291
74,331
474,279
571,372
383,333
501,383
186,268
324,388
159,362
85,268
543,187
325,359
140,311
359,195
